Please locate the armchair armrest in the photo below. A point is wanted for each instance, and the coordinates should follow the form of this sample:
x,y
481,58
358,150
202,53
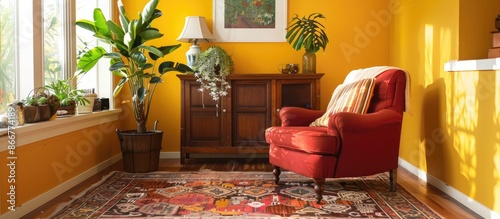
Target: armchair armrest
x,y
296,116
372,138
362,123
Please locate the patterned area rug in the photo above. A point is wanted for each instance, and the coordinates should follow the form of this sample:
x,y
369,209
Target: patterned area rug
x,y
211,194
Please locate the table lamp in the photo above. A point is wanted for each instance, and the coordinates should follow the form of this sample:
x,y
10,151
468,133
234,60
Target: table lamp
x,y
195,30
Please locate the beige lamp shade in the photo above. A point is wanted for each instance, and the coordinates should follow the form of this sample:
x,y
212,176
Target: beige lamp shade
x,y
195,30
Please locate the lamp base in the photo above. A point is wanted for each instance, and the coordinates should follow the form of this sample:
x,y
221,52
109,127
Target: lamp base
x,y
191,54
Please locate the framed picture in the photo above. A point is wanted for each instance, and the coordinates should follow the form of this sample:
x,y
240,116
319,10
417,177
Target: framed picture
x,y
250,20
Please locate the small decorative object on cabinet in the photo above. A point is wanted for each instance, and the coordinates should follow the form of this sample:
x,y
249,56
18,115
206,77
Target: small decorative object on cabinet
x,y
251,105
307,33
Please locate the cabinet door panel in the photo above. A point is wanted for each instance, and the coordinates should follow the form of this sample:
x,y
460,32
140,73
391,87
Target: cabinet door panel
x,y
202,124
252,96
200,99
205,129
296,93
250,112
250,129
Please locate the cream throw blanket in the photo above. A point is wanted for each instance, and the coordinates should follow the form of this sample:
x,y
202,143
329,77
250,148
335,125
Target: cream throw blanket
x,y
358,74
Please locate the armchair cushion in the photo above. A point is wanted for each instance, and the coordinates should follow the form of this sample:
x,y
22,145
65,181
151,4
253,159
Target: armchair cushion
x,y
351,97
311,140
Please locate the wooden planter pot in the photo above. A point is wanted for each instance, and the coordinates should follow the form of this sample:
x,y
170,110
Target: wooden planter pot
x,y
140,152
39,113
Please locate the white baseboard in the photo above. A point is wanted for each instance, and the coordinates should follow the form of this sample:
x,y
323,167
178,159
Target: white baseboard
x,y
472,204
170,155
33,204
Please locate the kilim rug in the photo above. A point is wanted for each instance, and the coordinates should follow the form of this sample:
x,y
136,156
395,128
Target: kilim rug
x,y
212,194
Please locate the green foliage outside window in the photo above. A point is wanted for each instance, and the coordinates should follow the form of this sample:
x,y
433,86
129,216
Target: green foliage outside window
x,y
7,54
52,66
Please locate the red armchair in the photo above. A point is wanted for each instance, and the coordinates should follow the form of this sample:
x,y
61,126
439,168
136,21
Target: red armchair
x,y
351,145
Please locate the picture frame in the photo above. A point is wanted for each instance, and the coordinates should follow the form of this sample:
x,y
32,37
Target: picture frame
x,y
250,21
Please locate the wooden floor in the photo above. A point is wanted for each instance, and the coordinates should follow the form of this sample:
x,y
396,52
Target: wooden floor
x,y
441,203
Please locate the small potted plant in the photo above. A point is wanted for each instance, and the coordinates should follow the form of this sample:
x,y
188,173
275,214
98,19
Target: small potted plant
x,y
40,105
309,34
211,68
68,95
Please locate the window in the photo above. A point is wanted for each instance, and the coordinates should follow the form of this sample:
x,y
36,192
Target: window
x,y
40,43
101,82
54,40
7,53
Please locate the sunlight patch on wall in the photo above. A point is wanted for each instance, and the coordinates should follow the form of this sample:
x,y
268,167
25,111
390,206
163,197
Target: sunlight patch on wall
x,y
496,174
496,156
463,120
445,45
429,50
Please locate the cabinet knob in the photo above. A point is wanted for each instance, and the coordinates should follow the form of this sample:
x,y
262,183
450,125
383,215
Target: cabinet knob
x,y
224,110
277,110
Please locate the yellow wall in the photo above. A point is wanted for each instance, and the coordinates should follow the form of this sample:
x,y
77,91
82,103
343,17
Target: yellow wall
x,y
45,164
453,130
362,41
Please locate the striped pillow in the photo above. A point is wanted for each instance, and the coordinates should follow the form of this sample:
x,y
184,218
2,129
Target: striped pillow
x,y
352,97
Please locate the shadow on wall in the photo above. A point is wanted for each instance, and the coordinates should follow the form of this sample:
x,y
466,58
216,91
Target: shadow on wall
x,y
434,138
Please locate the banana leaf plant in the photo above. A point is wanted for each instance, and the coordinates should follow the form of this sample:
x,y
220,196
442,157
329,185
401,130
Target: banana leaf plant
x,y
132,59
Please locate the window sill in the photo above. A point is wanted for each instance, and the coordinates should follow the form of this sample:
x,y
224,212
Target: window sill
x,y
473,65
33,132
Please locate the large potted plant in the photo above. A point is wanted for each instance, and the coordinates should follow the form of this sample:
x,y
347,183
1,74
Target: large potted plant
x,y
136,63
309,34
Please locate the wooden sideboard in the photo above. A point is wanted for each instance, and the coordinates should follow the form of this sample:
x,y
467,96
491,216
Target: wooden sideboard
x,y
236,123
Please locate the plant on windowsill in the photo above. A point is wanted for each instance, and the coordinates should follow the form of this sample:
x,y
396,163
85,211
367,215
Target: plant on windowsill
x,y
68,95
136,63
211,68
309,34
39,105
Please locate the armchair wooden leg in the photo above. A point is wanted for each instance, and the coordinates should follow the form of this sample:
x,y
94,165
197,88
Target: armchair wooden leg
x,y
319,188
393,179
276,173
